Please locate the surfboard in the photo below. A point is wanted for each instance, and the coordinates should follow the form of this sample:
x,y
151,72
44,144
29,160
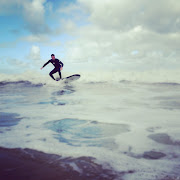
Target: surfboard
x,y
70,78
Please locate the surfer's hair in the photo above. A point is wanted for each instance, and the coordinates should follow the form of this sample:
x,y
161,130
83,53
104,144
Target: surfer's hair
x,y
52,55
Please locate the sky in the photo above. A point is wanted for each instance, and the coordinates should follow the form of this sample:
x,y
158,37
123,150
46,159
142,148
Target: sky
x,y
111,34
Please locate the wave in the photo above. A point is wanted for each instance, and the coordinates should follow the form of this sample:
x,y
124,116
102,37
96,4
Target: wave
x,y
123,76
170,77
26,83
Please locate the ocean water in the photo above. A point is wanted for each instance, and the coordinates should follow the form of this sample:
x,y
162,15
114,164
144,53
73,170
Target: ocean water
x,y
126,124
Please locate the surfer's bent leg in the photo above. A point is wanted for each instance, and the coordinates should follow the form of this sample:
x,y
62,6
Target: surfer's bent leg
x,y
52,72
59,73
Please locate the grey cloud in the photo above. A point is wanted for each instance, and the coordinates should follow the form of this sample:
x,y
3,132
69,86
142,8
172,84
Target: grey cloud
x,y
32,11
9,7
159,16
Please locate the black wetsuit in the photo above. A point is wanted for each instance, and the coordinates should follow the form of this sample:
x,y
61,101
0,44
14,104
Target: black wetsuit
x,y
57,65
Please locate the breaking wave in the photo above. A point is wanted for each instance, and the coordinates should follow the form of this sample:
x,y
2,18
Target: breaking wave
x,y
155,76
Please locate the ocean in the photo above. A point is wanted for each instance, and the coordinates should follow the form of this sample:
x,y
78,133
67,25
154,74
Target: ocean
x,y
128,126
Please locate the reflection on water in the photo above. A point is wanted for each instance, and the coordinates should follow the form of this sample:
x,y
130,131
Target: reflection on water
x,y
68,89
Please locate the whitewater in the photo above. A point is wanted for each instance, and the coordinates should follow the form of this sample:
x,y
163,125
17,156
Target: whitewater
x,y
127,121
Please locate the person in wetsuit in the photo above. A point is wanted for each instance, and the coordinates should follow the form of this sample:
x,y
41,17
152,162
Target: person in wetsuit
x,y
58,66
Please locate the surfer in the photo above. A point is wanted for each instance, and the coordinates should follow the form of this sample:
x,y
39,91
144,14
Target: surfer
x,y
58,66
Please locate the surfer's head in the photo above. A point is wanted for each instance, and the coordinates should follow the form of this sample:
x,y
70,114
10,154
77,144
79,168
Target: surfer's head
x,y
53,56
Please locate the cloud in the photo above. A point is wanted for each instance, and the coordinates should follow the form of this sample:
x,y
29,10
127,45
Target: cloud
x,y
66,27
16,62
35,53
69,17
161,16
115,29
41,38
9,7
32,11
13,65
69,9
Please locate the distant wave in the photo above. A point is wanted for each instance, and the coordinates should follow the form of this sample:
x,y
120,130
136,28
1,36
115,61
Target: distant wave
x,y
167,83
171,77
26,83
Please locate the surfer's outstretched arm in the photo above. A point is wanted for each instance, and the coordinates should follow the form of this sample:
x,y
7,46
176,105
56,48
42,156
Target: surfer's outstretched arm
x,y
46,64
